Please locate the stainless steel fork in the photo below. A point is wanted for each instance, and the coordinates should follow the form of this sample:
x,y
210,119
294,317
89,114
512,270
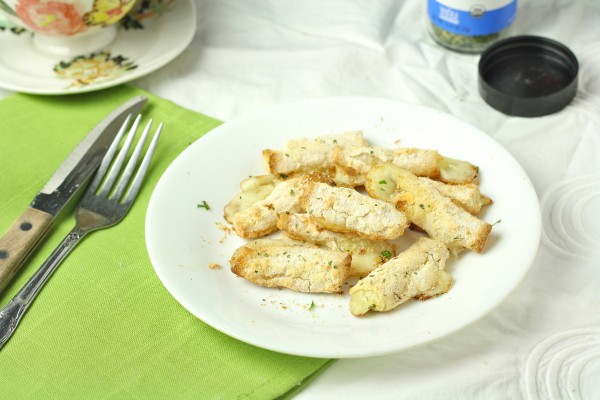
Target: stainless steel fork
x,y
104,204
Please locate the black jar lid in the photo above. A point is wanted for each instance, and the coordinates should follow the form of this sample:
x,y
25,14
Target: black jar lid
x,y
528,76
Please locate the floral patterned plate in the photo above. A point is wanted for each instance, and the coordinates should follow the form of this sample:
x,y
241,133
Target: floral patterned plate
x,y
142,45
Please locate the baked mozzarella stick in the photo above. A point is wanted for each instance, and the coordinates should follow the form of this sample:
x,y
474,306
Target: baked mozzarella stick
x,y
357,161
254,189
427,208
366,254
466,195
284,264
342,209
354,163
415,273
309,155
260,218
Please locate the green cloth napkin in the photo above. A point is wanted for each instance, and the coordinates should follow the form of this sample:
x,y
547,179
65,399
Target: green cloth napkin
x,y
104,326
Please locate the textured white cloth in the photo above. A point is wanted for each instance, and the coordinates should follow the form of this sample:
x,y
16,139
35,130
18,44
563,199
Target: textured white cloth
x,y
543,342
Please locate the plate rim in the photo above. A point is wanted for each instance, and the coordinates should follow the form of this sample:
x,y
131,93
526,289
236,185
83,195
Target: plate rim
x,y
453,328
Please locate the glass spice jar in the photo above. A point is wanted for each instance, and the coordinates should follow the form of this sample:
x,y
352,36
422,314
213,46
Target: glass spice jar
x,y
470,26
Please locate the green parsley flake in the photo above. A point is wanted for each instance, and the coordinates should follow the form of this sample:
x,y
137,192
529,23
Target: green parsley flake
x,y
386,254
312,306
383,182
204,205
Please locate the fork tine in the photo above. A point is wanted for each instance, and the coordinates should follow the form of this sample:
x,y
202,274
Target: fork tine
x,y
108,157
139,177
116,167
133,160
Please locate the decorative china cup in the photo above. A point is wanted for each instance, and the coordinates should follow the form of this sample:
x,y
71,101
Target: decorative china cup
x,y
69,27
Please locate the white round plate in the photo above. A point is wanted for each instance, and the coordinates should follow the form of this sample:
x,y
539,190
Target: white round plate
x,y
23,68
183,239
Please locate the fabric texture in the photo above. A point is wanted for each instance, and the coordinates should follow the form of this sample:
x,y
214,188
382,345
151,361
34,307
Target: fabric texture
x,y
104,326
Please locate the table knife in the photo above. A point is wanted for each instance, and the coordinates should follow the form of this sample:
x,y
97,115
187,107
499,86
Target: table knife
x,y
32,226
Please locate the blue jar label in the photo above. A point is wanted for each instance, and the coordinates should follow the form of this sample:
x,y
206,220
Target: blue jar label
x,y
469,18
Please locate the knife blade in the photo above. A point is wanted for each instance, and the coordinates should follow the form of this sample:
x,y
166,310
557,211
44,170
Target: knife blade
x,y
23,237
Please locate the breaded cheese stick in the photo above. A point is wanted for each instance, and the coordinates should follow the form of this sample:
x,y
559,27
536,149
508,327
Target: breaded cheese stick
x,y
260,218
309,155
302,268
355,163
245,199
366,254
417,273
346,210
466,195
427,208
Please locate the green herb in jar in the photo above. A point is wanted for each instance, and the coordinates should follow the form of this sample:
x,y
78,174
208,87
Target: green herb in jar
x,y
469,26
467,44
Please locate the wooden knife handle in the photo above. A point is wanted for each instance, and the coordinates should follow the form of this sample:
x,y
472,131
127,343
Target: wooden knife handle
x,y
20,240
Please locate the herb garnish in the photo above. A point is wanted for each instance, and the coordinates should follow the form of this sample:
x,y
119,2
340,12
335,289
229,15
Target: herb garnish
x,y
386,254
204,205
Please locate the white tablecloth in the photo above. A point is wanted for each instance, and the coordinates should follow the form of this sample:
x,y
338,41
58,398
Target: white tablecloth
x,y
544,340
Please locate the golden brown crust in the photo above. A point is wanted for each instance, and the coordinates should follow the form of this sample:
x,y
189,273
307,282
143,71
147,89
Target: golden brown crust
x,y
302,268
366,254
427,208
421,162
417,273
466,195
260,218
256,221
309,155
355,162
346,210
